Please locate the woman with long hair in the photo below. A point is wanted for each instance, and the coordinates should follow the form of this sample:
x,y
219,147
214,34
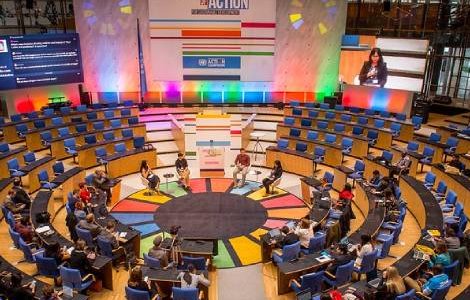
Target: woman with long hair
x,y
275,174
391,285
137,283
147,173
189,278
374,71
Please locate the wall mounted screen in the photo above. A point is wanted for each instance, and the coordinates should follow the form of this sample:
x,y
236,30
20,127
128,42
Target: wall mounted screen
x,y
212,39
37,60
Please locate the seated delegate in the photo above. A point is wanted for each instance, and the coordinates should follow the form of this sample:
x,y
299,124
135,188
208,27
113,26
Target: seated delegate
x,y
275,174
242,163
90,224
110,235
137,283
158,252
304,231
80,258
147,173
435,279
183,171
189,278
391,285
340,256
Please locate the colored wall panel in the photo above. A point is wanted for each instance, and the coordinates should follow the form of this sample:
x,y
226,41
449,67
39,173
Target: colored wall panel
x,y
367,97
295,96
212,97
108,97
232,97
253,97
171,96
191,97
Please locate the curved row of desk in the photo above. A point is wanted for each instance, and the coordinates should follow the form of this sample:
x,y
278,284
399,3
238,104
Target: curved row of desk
x,y
10,128
373,219
406,132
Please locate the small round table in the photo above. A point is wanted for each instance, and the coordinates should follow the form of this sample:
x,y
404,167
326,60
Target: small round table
x,y
167,176
255,172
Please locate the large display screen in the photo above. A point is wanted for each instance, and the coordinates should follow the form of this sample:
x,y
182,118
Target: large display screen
x,y
37,60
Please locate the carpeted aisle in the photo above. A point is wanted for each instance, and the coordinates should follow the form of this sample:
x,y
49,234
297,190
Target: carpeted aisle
x,y
241,283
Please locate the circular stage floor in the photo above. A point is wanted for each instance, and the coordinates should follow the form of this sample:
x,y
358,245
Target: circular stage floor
x,y
236,217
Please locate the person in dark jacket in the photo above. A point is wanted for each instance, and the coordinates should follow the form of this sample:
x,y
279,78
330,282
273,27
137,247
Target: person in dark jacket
x,y
21,196
78,259
341,257
276,173
289,237
374,71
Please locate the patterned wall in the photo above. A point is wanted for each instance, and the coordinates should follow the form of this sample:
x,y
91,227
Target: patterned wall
x,y
108,35
308,37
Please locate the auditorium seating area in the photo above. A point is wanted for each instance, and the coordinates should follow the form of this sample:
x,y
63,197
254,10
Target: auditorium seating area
x,y
335,152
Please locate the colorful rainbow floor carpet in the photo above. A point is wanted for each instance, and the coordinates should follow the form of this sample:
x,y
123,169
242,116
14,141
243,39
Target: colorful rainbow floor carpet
x,y
214,209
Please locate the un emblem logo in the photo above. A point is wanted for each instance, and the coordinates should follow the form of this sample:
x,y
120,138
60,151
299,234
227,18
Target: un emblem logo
x,y
202,62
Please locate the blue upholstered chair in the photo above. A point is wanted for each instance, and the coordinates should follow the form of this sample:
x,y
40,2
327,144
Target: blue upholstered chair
x,y
43,178
311,281
429,180
63,132
185,293
58,168
289,252
133,294
318,156
14,168
151,262
282,143
410,295
71,148
127,133
316,243
72,278
342,275
428,154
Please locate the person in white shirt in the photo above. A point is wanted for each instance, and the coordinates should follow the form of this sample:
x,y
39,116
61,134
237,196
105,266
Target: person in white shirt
x,y
305,232
363,249
403,165
190,279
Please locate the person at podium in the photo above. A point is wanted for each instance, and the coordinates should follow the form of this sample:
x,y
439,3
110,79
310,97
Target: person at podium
x,y
242,163
374,72
182,169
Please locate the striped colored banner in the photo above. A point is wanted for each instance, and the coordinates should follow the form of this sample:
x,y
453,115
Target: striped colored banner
x,y
258,25
211,33
234,53
210,38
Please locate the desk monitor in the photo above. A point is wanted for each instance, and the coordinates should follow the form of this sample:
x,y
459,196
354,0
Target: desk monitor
x,y
274,233
304,295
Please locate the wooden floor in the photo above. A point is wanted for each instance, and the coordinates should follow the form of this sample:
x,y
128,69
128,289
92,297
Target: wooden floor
x,y
409,236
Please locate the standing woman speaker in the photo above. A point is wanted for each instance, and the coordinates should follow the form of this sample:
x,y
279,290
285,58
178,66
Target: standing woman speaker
x,y
374,72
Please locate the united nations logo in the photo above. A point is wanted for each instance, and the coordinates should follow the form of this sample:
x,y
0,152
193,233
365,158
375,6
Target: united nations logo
x,y
202,62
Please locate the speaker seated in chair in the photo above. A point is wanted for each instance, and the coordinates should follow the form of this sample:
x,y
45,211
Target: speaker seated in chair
x,y
242,165
149,179
274,178
182,170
